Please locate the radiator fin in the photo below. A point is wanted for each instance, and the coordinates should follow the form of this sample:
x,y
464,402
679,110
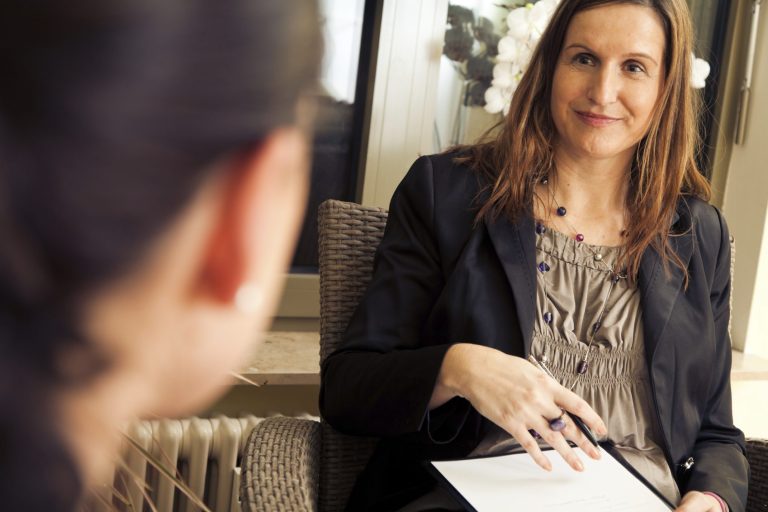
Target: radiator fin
x,y
204,451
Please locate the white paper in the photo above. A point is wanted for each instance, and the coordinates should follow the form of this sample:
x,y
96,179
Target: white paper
x,y
515,482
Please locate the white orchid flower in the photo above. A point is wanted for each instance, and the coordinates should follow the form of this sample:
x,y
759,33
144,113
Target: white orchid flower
x,y
509,49
699,72
498,98
526,24
504,74
539,17
524,56
508,103
530,21
518,21
494,100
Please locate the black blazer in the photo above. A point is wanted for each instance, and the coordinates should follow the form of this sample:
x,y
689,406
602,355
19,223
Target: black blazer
x,y
440,279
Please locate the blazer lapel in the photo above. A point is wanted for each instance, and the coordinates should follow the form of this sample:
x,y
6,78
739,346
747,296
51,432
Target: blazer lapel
x,y
659,289
658,293
515,246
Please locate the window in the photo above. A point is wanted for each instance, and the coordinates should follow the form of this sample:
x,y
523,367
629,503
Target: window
x,y
337,146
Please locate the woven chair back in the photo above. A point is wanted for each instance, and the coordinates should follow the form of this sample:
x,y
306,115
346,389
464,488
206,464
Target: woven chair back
x,y
757,449
757,455
348,237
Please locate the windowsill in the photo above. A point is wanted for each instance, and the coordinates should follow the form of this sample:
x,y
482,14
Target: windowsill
x,y
748,367
285,359
293,358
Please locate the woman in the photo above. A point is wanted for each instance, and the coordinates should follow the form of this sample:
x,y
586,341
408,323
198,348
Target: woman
x,y
152,177
580,235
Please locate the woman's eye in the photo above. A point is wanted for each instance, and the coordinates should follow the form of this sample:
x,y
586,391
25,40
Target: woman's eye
x,y
584,59
634,67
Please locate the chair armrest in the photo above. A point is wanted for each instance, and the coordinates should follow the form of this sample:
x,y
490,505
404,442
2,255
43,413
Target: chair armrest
x,y
281,466
757,454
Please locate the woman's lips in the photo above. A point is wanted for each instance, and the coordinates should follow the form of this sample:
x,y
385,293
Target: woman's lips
x,y
595,120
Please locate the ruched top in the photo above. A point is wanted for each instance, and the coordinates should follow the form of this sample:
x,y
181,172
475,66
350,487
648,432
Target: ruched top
x,y
573,279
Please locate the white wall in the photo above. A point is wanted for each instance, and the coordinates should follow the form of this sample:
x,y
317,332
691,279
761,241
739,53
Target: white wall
x,y
745,206
405,89
757,328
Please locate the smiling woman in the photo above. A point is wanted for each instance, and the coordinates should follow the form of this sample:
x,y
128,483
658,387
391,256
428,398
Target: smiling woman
x,y
580,234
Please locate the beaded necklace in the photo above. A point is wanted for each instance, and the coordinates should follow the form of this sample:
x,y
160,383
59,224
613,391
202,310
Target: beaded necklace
x,y
614,277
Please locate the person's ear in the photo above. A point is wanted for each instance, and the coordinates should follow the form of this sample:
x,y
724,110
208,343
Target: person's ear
x,y
262,205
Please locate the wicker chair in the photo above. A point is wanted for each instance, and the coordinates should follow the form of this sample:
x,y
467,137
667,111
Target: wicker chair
x,y
292,464
757,454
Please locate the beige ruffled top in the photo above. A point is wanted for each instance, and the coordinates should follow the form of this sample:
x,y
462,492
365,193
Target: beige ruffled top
x,y
616,385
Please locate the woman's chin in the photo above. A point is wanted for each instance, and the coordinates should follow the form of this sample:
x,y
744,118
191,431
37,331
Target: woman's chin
x,y
599,150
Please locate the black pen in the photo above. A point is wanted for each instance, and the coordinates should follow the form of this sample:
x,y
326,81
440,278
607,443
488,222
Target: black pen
x,y
576,420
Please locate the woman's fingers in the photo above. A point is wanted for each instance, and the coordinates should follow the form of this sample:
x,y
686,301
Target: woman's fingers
x,y
530,445
574,404
517,396
573,433
558,442
695,501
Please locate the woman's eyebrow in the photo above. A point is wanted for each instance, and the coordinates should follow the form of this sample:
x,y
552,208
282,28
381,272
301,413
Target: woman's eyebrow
x,y
632,54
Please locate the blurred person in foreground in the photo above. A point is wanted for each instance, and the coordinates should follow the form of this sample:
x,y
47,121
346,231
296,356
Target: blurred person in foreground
x,y
580,235
153,171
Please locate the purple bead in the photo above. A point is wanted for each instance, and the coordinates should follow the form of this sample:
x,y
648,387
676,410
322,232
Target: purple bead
x,y
583,367
535,434
557,424
561,211
540,229
579,237
548,317
615,278
543,267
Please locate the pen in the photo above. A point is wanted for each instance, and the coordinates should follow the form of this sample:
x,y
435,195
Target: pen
x,y
576,420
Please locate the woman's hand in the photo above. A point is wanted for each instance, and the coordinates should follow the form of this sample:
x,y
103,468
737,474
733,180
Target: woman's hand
x,y
517,396
695,501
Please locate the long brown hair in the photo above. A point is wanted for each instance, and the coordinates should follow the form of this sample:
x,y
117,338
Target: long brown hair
x,y
664,167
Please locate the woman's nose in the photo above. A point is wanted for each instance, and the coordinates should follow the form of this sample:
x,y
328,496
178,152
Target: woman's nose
x,y
604,86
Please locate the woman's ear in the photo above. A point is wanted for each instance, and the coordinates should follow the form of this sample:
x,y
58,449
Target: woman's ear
x,y
260,210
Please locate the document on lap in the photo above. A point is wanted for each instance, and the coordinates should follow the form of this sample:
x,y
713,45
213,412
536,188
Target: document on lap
x,y
494,483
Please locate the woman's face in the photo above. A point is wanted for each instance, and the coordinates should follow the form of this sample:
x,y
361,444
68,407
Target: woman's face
x,y
607,79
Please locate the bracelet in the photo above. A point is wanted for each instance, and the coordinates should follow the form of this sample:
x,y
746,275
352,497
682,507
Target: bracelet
x,y
721,501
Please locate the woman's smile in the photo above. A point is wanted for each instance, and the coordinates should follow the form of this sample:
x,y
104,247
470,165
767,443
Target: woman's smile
x,y
596,120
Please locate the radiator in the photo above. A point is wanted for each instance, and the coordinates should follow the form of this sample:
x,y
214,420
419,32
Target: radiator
x,y
205,453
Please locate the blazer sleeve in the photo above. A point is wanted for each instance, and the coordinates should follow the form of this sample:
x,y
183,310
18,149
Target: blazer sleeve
x,y
380,381
719,452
